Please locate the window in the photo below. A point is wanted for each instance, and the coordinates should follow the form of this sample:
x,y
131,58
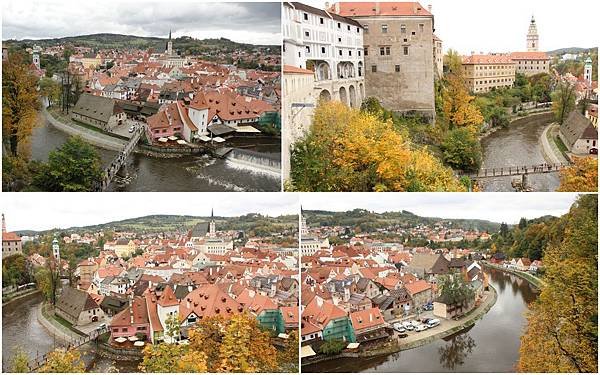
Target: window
x,y
421,27
384,29
321,21
348,27
340,52
374,68
405,51
339,25
339,40
358,30
306,34
307,49
414,33
322,49
397,68
366,51
405,40
366,27
306,16
403,29
358,53
382,51
349,53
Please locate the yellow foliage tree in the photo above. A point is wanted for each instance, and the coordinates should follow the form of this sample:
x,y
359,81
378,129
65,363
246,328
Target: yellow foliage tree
x,y
207,337
581,176
562,330
458,105
20,361
20,104
350,150
62,360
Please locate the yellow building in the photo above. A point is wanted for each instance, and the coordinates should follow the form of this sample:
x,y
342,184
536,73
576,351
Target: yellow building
x,y
531,63
91,60
124,248
484,72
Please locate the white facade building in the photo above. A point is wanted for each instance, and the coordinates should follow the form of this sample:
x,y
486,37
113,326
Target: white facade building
x,y
328,44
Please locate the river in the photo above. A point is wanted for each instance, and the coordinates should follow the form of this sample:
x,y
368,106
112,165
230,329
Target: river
x,y
20,327
188,173
517,145
490,345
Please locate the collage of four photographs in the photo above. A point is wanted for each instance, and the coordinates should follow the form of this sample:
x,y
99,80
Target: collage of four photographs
x,y
299,187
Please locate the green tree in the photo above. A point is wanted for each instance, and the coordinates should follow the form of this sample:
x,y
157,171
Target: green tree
x,y
454,290
332,347
462,150
62,360
563,101
173,330
75,166
50,89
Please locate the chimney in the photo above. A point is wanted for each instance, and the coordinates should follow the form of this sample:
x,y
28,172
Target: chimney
x,y
370,317
377,7
327,5
188,303
429,7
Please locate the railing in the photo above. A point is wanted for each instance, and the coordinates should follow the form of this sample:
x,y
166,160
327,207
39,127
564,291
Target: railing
x,y
518,170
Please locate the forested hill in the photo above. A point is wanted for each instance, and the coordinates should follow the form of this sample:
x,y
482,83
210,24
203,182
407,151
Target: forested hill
x,y
119,41
168,223
369,221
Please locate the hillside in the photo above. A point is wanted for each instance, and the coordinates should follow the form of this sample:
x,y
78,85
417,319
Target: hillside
x,y
573,50
171,223
370,220
184,44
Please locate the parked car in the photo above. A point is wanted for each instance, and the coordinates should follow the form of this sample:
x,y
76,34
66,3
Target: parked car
x,y
408,326
425,320
433,323
428,307
594,151
398,328
414,323
421,327
132,128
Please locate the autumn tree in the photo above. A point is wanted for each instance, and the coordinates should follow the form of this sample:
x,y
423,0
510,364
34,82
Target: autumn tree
x,y
20,104
172,331
562,329
350,150
62,360
581,176
246,348
19,361
458,105
50,89
207,336
172,358
288,357
453,62
563,101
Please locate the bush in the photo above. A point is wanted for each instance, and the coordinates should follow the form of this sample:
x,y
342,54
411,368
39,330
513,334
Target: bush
x,y
332,347
462,150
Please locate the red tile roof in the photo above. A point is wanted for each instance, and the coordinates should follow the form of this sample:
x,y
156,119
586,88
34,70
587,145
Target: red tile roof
x,y
350,9
487,59
10,236
529,56
368,318
208,301
137,313
290,69
167,298
417,287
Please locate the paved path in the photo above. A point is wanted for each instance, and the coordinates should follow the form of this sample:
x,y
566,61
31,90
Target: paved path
x,y
93,137
549,148
58,330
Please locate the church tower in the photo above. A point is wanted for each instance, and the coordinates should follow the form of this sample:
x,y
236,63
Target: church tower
x,y
3,224
56,250
532,37
303,225
212,228
587,71
169,50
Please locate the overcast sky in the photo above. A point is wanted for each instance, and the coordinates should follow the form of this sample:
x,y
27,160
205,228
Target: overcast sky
x,y
247,22
43,211
501,26
497,207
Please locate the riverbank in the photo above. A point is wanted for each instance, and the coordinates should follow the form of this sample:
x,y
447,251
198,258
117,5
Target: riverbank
x,y
533,280
550,149
513,120
17,296
55,328
414,340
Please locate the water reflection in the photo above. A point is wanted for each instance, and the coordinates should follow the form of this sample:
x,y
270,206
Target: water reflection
x,y
490,345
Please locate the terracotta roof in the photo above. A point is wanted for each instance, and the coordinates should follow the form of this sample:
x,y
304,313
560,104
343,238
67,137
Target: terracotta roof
x,y
208,301
137,313
529,56
167,298
417,287
10,236
320,312
363,9
290,315
255,302
152,311
367,318
290,69
487,59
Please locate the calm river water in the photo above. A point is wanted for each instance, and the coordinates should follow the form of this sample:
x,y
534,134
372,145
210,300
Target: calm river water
x,y
491,345
20,327
517,145
189,173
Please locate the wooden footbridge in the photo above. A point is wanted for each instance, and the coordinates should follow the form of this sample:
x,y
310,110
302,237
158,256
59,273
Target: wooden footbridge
x,y
517,170
120,159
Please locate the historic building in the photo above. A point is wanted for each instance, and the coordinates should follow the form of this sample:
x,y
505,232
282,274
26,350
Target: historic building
x,y
578,133
299,101
484,72
329,45
101,112
171,59
398,51
11,242
533,39
530,63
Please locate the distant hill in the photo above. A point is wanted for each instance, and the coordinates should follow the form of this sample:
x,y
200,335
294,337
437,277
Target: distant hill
x,y
371,220
119,41
573,50
171,223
